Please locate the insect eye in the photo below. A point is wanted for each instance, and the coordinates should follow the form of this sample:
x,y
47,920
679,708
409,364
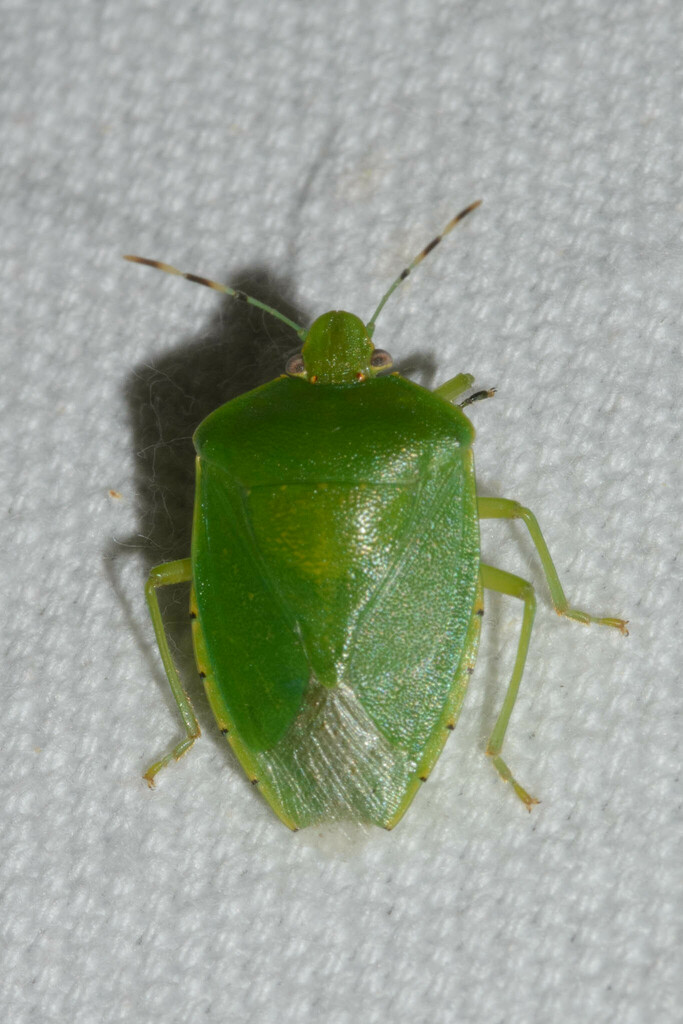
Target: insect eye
x,y
295,366
381,360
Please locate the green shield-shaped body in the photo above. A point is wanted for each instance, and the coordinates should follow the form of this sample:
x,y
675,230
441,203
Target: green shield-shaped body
x,y
335,563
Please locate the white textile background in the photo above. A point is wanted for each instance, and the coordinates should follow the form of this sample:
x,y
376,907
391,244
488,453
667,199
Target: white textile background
x,y
305,151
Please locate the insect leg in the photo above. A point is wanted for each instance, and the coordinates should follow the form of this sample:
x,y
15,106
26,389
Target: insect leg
x,y
514,586
162,576
504,508
453,388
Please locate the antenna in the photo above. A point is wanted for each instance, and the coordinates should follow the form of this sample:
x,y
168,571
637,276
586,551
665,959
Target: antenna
x,y
226,289
418,259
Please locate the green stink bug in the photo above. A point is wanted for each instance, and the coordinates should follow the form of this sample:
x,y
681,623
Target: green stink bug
x,y
336,582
